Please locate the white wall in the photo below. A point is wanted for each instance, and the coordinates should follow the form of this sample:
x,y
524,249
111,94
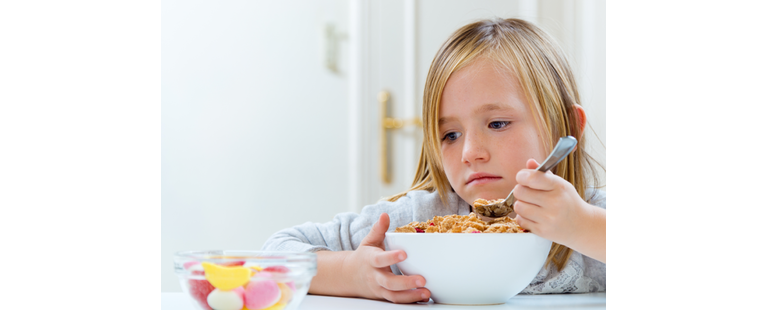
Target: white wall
x,y
250,123
579,26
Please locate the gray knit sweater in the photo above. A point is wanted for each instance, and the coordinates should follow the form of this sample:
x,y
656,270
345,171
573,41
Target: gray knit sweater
x,y
347,230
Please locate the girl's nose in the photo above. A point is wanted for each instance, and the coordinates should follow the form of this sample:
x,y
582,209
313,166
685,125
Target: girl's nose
x,y
474,149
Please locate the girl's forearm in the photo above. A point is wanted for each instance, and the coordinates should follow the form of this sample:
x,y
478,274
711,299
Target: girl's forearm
x,y
329,279
591,240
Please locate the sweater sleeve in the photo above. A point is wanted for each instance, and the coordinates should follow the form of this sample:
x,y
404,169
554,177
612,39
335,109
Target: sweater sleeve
x,y
347,230
581,274
596,197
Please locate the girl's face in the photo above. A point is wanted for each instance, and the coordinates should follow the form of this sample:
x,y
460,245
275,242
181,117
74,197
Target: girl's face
x,y
487,131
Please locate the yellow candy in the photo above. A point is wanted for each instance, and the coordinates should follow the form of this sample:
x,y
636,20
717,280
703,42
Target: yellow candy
x,y
226,278
257,268
277,306
285,293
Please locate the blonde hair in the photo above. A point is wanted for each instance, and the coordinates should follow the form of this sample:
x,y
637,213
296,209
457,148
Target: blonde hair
x,y
549,86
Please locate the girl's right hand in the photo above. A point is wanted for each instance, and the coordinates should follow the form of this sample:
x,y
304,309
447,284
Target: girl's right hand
x,y
368,267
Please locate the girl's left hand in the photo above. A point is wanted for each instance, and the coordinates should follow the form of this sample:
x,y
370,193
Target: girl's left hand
x,y
548,205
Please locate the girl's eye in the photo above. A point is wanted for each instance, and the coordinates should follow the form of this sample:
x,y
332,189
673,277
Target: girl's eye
x,y
498,124
452,136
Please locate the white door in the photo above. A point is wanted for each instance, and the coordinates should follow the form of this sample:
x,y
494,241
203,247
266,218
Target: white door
x,y
390,132
393,43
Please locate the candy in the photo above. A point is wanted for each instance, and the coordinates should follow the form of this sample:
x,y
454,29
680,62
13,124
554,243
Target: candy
x,y
286,293
226,300
194,267
199,289
277,269
253,266
261,293
226,278
277,306
234,263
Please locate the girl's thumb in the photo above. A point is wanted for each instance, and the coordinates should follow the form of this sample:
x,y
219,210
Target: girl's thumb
x,y
376,235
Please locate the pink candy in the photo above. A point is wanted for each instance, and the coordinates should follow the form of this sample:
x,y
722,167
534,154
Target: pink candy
x,y
261,293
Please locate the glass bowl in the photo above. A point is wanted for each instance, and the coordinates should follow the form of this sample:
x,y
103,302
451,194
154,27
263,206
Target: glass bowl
x,y
245,280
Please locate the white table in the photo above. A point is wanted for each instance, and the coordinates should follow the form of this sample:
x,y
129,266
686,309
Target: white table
x,y
179,301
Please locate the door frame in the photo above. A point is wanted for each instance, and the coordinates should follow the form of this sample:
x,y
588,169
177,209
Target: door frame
x,y
365,186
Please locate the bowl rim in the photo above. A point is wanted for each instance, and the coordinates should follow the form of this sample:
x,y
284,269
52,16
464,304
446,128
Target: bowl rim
x,y
242,254
463,234
302,263
239,255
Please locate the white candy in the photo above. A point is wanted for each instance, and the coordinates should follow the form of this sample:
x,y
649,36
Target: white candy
x,y
196,267
226,300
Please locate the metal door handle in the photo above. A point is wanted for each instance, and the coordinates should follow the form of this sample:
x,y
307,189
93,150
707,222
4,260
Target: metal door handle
x,y
389,123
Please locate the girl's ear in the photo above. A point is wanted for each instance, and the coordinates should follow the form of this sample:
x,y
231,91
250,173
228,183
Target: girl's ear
x,y
582,118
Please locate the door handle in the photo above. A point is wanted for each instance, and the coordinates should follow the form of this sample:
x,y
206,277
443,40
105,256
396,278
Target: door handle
x,y
387,124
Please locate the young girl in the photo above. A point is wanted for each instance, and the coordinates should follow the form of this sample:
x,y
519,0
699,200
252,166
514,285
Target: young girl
x,y
498,96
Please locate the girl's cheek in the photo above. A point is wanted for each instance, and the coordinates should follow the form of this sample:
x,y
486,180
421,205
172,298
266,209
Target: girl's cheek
x,y
449,167
447,157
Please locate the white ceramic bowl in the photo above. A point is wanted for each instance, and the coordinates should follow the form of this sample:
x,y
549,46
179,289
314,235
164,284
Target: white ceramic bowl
x,y
471,269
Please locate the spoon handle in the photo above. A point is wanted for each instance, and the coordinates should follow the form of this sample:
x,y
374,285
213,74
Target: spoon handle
x,y
564,147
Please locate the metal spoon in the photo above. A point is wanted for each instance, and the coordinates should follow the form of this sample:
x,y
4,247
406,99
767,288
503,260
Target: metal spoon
x,y
564,147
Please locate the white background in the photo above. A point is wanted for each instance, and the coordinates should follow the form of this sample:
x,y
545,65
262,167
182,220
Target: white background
x,y
80,156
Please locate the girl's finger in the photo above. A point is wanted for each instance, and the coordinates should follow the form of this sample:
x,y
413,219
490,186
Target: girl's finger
x,y
387,258
530,195
525,223
530,212
536,179
392,282
531,164
407,296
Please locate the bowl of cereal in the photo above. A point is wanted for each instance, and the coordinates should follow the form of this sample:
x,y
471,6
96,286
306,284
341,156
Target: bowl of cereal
x,y
448,251
253,280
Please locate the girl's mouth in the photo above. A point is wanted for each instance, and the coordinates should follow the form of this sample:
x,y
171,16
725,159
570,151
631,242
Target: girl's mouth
x,y
483,180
